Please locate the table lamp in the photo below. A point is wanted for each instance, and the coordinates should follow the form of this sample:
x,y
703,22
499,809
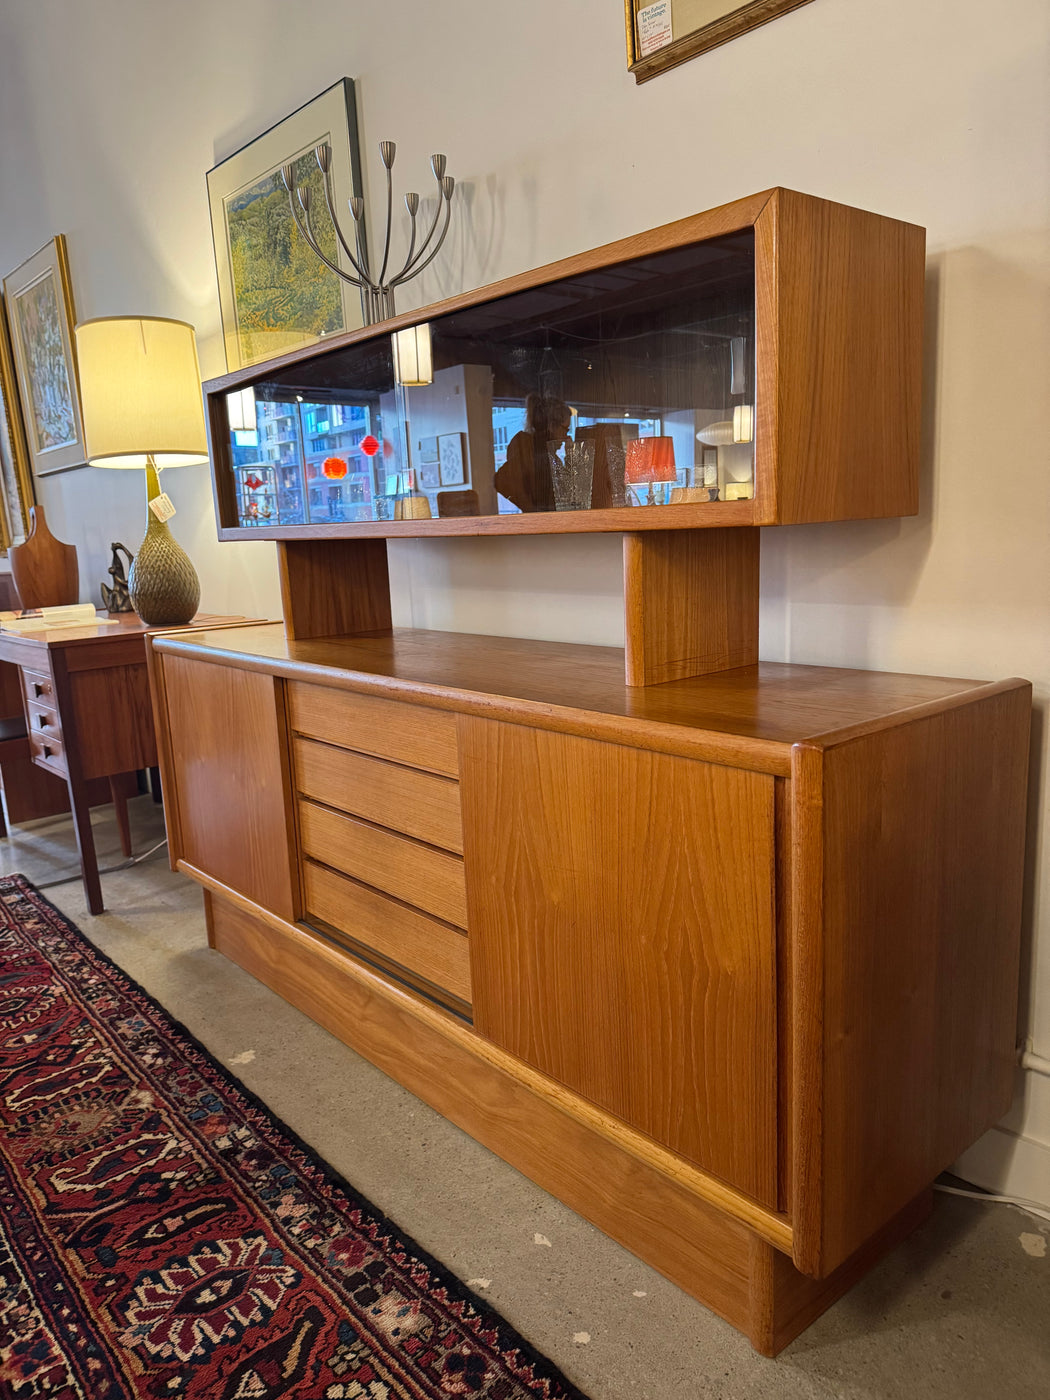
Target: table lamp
x,y
649,461
140,390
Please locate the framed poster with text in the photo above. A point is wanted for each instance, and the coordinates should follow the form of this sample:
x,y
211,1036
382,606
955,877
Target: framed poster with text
x,y
664,34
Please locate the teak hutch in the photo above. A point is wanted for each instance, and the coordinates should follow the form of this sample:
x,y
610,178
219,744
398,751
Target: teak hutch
x,y
722,953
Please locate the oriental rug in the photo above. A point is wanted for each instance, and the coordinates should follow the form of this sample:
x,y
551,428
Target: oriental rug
x,y
162,1235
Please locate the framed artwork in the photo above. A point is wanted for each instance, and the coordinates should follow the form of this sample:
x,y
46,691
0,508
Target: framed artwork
x,y
429,464
450,469
664,34
16,487
275,294
40,315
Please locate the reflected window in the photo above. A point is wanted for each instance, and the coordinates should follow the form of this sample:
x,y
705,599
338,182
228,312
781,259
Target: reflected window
x,y
624,387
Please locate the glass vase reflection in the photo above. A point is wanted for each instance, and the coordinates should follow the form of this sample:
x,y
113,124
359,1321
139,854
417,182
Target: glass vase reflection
x,y
572,474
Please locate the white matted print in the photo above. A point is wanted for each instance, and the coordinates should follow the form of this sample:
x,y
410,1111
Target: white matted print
x,y
450,448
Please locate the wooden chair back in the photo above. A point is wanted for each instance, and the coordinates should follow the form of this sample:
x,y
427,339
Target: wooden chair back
x,y
44,570
457,503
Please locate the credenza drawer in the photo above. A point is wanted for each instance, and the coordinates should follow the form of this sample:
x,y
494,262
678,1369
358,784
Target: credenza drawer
x,y
409,734
431,950
419,875
417,804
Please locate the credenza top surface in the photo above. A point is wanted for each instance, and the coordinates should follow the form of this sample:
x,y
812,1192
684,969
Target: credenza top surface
x,y
546,682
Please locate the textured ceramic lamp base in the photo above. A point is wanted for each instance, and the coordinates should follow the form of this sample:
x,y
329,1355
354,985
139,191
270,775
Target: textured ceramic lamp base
x,y
164,587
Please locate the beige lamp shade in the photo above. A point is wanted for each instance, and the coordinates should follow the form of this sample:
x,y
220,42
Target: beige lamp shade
x,y
140,390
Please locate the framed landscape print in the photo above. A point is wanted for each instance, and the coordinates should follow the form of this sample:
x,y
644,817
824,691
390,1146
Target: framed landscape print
x,y
16,488
664,34
275,293
40,315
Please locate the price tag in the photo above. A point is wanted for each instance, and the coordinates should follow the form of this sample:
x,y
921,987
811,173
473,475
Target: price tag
x,y
654,27
162,507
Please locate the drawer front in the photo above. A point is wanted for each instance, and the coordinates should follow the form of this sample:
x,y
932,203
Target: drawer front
x,y
48,752
421,945
415,804
43,719
409,734
420,875
39,687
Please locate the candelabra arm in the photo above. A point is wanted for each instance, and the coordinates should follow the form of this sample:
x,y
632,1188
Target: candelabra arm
x,y
302,224
389,221
408,273
411,250
361,272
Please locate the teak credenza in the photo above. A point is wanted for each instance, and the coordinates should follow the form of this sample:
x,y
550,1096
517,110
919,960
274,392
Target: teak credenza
x,y
722,953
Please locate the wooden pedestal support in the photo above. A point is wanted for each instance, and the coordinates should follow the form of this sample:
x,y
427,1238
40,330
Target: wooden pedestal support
x,y
690,602
690,597
712,1241
333,588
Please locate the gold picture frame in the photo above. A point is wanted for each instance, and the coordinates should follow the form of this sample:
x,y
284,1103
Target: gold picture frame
x,y
38,296
275,294
16,483
695,27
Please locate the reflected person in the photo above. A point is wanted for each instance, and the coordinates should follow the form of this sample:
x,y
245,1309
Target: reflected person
x,y
525,477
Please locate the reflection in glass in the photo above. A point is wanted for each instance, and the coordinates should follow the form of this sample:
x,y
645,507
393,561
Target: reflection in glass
x,y
641,375
572,473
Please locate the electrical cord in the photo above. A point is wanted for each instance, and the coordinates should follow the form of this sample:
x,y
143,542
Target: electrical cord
x,y
1030,1206
108,869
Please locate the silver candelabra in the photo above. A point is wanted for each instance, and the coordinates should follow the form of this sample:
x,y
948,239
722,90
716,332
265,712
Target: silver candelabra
x,y
378,290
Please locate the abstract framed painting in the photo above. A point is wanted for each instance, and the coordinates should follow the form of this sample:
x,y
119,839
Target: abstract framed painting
x,y
275,294
663,34
39,301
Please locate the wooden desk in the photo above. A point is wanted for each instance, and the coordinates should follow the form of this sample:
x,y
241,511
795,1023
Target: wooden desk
x,y
88,709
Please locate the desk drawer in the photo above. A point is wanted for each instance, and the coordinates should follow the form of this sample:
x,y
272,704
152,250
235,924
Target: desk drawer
x,y
416,804
49,752
419,875
44,719
39,687
409,734
423,946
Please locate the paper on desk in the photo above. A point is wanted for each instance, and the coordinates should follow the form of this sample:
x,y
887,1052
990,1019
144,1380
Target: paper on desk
x,y
47,619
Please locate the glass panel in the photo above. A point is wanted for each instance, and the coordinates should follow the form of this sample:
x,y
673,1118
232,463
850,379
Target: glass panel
x,y
626,387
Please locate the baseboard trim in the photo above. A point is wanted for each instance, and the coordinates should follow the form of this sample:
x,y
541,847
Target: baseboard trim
x,y
1008,1165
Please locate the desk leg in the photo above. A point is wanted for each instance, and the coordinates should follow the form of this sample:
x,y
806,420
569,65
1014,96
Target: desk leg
x,y
118,791
85,846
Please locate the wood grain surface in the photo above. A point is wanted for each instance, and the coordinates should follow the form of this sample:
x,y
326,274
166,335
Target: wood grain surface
x,y
621,917
681,1219
226,757
919,912
44,570
690,603
747,718
420,805
120,734
383,728
436,951
335,588
430,879
846,376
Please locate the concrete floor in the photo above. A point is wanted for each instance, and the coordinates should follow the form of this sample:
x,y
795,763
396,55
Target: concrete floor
x,y
961,1310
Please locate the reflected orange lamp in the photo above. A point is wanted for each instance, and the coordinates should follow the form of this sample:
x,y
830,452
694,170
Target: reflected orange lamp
x,y
649,461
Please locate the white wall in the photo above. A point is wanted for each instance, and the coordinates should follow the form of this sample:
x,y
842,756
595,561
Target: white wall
x,y
112,111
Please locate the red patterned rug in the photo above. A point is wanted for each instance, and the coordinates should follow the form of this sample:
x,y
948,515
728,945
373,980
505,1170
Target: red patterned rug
x,y
162,1235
